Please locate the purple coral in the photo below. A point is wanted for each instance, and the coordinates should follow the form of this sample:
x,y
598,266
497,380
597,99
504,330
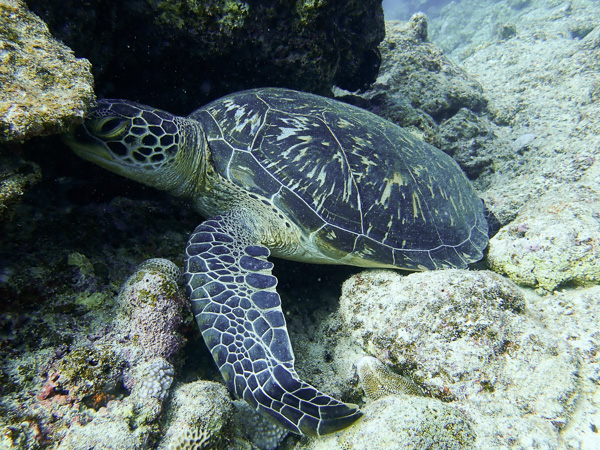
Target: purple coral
x,y
152,308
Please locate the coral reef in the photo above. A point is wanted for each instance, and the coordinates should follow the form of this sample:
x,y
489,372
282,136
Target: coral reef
x,y
465,339
540,83
570,315
262,433
111,433
157,379
103,388
203,50
44,87
16,176
512,360
197,412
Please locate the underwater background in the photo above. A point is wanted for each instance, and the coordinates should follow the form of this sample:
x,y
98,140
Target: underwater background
x,y
99,350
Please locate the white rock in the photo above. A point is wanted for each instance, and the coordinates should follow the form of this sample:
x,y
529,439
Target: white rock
x,y
465,337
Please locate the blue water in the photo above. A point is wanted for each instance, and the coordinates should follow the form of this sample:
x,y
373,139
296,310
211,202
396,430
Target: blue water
x,y
403,9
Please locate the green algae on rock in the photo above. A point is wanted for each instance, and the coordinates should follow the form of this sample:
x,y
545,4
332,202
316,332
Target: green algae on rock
x,y
197,413
44,87
16,177
101,381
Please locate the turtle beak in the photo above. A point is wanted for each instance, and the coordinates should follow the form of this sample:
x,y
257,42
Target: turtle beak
x,y
87,146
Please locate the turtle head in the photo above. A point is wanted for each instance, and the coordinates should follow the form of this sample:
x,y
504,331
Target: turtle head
x,y
139,142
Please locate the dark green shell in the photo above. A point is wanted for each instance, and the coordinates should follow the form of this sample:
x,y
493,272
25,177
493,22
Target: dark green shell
x,y
363,187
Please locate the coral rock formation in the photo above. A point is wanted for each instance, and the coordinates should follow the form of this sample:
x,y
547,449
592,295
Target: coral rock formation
x,y
466,339
204,50
44,87
152,308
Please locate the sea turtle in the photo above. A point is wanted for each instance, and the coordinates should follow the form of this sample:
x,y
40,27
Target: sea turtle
x,y
297,176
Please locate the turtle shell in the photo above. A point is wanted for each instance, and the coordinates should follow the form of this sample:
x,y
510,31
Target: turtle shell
x,y
364,190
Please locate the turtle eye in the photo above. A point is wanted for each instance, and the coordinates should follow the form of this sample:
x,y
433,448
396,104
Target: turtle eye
x,y
110,127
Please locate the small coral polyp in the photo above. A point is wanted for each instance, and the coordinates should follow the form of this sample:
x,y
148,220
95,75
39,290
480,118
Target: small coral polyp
x,y
158,379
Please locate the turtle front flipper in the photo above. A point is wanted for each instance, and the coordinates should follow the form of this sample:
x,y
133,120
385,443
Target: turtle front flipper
x,y
233,298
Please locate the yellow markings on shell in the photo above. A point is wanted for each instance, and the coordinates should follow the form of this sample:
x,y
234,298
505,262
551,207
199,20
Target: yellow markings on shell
x,y
331,235
361,143
396,180
295,126
239,113
453,204
312,172
416,203
286,132
321,176
430,187
343,123
300,156
230,105
366,162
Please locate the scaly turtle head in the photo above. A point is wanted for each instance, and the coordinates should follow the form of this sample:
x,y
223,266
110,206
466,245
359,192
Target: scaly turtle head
x,y
145,144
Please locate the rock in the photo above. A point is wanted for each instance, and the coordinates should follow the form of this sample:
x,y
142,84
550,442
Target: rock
x,y
155,378
197,413
257,429
420,88
152,308
105,433
464,337
181,54
87,373
553,242
529,94
405,422
121,425
16,177
102,386
44,87
571,315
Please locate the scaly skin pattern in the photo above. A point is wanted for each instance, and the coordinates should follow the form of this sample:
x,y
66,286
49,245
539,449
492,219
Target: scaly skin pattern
x,y
239,314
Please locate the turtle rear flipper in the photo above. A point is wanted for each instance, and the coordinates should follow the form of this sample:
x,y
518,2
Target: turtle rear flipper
x,y
238,310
